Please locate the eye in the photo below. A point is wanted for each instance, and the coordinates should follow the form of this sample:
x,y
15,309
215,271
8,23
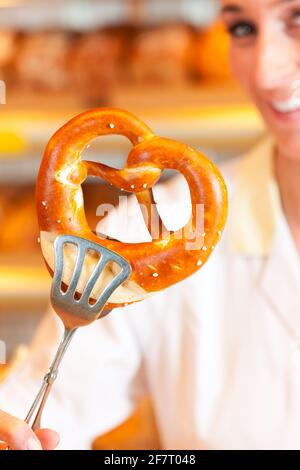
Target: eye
x,y
296,18
242,29
292,23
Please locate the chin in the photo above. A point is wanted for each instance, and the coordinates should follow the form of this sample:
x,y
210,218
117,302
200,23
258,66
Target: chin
x,y
288,144
286,135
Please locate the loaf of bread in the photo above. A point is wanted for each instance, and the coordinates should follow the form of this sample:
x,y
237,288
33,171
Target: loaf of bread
x,y
161,54
41,61
94,63
8,45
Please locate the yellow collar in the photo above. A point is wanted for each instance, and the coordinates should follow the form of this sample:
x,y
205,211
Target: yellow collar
x,y
255,205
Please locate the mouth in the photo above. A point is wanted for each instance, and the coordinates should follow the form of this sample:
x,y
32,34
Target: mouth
x,y
286,110
287,106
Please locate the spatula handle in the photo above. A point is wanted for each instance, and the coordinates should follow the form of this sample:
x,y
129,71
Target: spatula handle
x,y
49,379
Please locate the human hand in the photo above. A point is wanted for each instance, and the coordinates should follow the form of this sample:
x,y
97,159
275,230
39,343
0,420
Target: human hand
x,y
17,435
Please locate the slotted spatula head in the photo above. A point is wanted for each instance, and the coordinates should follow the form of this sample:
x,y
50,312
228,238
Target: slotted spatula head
x,y
75,309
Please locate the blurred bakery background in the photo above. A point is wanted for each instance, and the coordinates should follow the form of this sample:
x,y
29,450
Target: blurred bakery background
x,y
164,60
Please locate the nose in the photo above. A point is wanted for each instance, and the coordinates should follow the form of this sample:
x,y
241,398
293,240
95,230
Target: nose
x,y
275,61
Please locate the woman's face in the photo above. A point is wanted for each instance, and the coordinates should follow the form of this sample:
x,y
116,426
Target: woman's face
x,y
265,59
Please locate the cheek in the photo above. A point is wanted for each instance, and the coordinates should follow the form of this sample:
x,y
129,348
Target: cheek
x,y
241,63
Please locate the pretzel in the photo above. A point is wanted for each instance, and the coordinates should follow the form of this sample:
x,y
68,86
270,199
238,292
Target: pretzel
x,y
167,259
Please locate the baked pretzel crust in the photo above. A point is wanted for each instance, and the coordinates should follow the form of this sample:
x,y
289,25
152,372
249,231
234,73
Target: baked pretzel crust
x,y
165,260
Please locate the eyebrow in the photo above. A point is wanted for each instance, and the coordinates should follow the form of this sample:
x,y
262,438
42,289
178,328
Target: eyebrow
x,y
231,8
234,8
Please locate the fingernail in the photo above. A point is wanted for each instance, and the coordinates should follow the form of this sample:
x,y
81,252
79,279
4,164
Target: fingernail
x,y
33,444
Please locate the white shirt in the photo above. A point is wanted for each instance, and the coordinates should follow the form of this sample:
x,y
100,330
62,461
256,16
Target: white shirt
x,y
219,352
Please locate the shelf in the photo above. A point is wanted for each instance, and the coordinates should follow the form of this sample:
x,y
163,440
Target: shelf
x,y
218,121
88,14
24,282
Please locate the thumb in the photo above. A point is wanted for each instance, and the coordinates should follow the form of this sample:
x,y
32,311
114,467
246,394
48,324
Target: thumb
x,y
48,438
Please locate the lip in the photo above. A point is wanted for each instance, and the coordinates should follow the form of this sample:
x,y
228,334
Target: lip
x,y
290,117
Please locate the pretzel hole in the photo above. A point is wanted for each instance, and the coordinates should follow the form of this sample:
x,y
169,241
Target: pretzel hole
x,y
173,200
127,221
100,198
122,221
112,150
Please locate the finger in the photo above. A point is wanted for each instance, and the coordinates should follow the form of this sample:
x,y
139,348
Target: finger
x,y
48,438
3,445
17,434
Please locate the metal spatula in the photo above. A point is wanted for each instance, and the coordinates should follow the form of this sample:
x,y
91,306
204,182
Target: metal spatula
x,y
80,309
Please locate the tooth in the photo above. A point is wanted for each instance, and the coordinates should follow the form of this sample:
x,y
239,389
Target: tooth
x,y
287,106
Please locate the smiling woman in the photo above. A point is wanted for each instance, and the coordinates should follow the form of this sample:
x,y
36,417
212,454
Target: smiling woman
x,y
218,353
265,59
